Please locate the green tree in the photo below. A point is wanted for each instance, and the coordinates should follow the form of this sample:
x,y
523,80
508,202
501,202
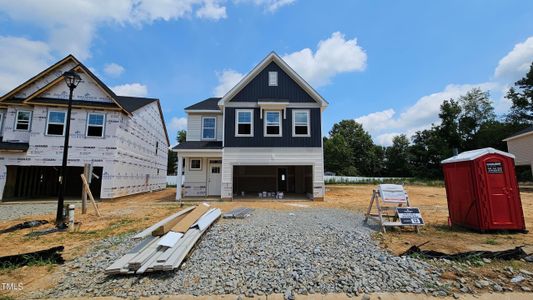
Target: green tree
x,y
476,109
450,112
521,96
181,136
172,158
336,155
426,153
397,157
363,156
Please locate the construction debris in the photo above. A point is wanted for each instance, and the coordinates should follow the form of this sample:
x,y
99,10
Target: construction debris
x,y
167,243
238,213
24,225
515,253
52,255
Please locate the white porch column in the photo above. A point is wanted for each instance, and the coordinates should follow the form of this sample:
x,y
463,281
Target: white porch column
x,y
179,177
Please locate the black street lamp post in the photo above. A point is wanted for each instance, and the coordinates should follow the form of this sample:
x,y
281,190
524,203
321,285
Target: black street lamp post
x,y
72,79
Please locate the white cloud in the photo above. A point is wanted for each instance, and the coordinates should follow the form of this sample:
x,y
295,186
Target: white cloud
x,y
113,69
20,59
226,80
333,56
131,89
212,10
516,63
178,124
72,24
269,5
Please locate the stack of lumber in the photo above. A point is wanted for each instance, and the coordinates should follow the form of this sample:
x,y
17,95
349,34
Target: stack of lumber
x,y
238,213
164,245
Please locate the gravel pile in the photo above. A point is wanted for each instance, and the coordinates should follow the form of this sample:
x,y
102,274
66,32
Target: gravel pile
x,y
302,252
15,211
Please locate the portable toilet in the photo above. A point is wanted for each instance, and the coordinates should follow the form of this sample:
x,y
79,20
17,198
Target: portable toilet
x,y
482,190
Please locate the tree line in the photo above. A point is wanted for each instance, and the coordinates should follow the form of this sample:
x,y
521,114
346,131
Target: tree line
x,y
466,123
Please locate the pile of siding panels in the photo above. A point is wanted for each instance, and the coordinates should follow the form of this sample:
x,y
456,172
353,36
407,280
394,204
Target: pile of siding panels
x,y
164,245
238,213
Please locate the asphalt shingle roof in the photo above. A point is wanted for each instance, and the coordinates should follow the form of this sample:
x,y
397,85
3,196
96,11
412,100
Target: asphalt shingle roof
x,y
207,104
529,129
199,145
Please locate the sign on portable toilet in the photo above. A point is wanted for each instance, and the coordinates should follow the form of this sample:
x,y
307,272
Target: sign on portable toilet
x,y
482,190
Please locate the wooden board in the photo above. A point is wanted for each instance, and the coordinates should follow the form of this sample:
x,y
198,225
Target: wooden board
x,y
165,228
148,231
191,218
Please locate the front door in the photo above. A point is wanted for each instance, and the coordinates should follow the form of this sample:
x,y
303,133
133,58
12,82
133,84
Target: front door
x,y
282,179
214,177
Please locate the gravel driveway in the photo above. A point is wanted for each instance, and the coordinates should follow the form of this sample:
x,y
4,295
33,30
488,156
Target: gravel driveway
x,y
17,210
300,252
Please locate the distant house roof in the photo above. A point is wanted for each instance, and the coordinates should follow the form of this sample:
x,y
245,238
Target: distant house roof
x,y
207,104
520,133
132,104
200,145
473,154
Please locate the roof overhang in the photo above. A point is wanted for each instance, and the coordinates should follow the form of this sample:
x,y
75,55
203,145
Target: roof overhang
x,y
207,111
474,154
518,136
273,57
270,105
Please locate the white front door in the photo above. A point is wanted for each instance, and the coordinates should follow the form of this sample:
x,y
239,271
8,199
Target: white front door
x,y
214,177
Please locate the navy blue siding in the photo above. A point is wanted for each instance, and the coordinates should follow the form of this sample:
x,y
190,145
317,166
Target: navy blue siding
x,y
258,140
259,90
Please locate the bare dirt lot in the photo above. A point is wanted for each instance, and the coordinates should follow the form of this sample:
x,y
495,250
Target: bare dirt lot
x,y
133,213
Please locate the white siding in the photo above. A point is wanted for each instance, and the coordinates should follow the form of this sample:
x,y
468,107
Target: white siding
x,y
522,148
272,156
194,126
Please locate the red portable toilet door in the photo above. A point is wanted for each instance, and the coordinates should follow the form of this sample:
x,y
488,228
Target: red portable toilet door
x,y
500,193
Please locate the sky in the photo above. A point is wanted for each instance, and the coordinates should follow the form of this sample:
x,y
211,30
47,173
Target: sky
x,y
386,64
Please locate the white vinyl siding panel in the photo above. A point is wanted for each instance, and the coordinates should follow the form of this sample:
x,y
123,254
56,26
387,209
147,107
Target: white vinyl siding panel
x,y
522,148
194,126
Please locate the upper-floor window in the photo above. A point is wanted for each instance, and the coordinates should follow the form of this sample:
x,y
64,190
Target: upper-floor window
x,y
244,122
209,128
272,78
95,124
56,123
301,123
272,123
23,120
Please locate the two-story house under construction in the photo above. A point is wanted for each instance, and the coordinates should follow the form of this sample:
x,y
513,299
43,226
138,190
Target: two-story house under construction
x,y
123,138
264,135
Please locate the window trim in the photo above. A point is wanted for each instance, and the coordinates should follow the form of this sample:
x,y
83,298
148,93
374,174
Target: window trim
x,y
17,120
237,111
190,164
1,123
294,111
55,123
87,126
280,134
272,75
214,128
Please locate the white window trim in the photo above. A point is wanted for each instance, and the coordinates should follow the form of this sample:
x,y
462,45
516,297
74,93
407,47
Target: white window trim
x,y
251,111
190,164
64,122
265,124
17,120
272,74
294,111
87,126
215,129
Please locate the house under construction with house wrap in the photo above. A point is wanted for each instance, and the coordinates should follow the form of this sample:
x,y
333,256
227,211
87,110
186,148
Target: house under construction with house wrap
x,y
124,138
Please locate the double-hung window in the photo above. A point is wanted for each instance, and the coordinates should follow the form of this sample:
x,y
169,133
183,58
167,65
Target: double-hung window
x,y
195,164
209,128
272,78
301,123
244,122
23,120
272,123
95,124
56,123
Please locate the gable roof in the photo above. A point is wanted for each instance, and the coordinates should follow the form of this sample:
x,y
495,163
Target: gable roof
x,y
207,104
473,154
520,134
273,57
132,104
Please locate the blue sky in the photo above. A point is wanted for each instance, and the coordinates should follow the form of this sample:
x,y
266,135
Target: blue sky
x,y
387,64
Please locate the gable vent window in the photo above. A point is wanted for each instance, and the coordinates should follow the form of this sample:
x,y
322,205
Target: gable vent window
x,y
23,120
272,78
56,123
208,128
95,125
300,123
272,123
244,120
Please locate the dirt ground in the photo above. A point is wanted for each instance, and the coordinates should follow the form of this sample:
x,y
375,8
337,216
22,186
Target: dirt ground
x,y
134,213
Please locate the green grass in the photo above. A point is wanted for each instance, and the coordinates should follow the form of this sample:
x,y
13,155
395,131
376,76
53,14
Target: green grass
x,y
32,261
6,298
406,181
491,241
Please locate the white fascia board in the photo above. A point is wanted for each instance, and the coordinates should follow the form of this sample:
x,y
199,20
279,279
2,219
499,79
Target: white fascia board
x,y
517,136
285,67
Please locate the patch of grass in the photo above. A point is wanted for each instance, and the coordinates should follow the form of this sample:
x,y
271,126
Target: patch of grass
x,y
6,297
404,181
103,233
31,262
491,241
